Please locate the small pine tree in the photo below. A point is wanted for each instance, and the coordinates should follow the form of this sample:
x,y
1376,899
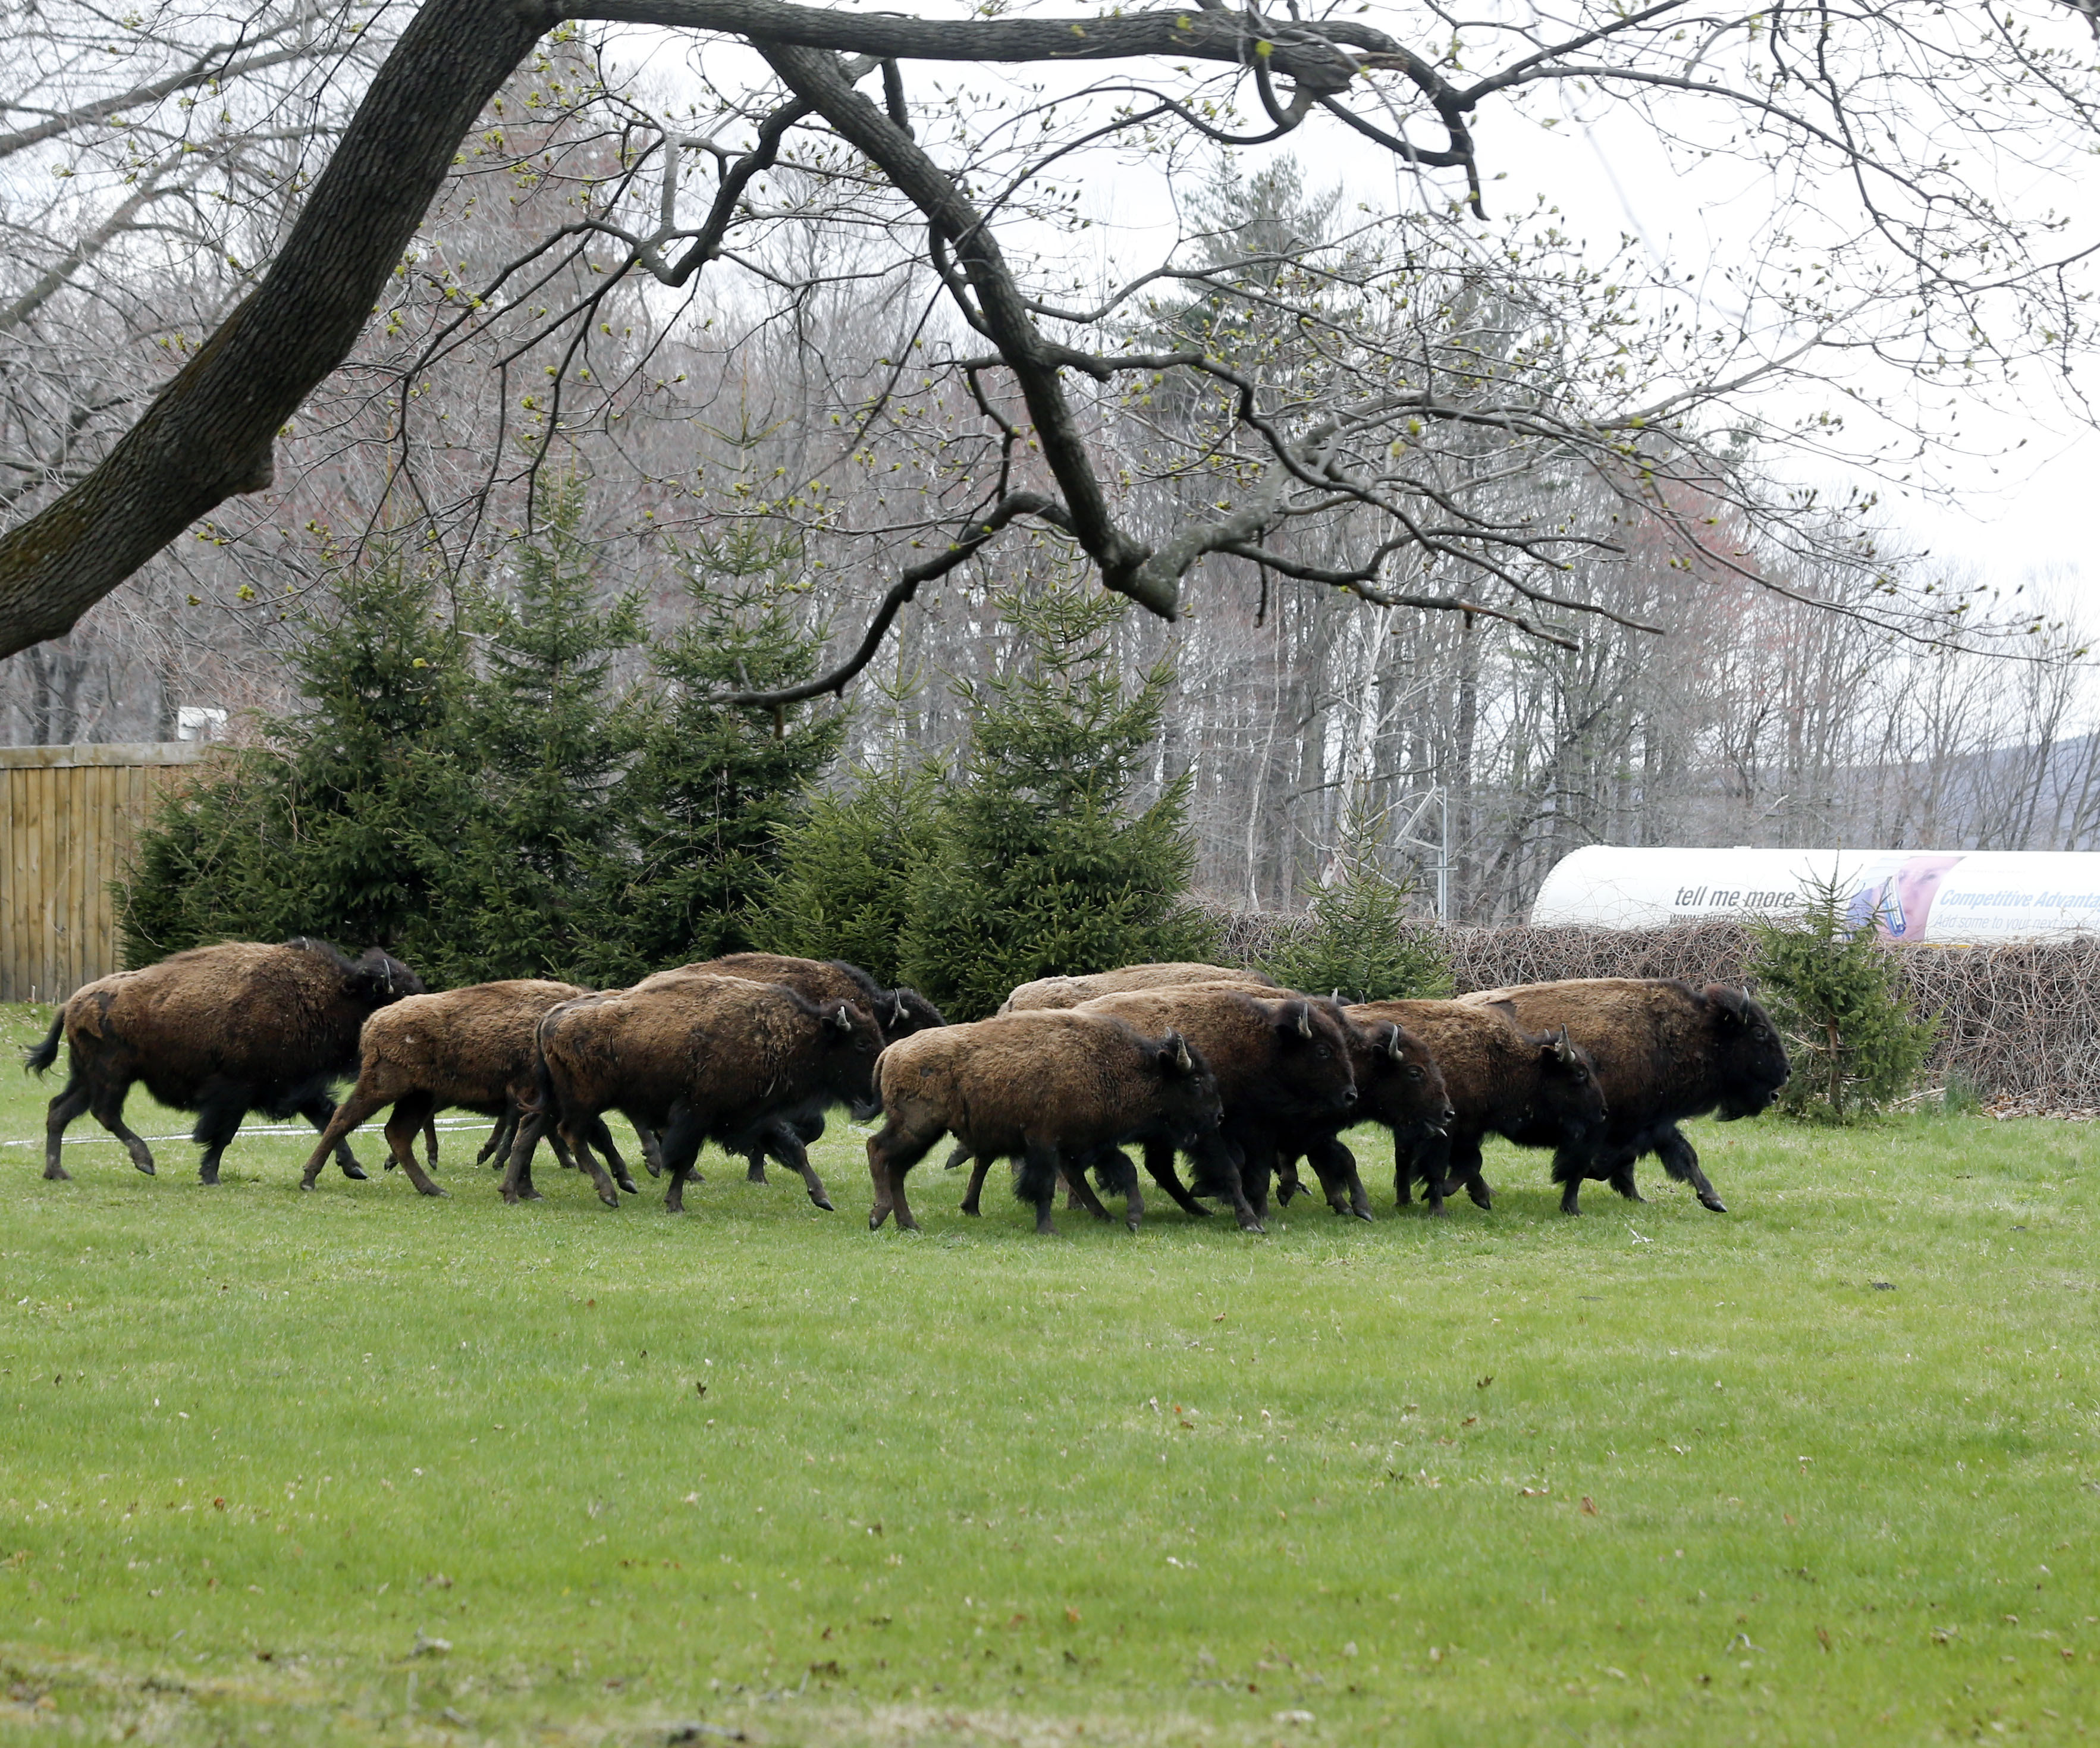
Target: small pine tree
x,y
341,823
1361,940
1040,868
1836,994
847,868
550,739
717,786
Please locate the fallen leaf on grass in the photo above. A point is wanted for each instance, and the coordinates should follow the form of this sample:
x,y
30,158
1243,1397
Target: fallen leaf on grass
x,y
1589,1506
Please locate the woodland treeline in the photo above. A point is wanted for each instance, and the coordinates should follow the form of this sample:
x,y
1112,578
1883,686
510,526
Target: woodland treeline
x,y
1777,697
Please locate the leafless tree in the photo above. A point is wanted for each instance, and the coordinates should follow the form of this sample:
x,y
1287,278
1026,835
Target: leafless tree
x,y
1350,458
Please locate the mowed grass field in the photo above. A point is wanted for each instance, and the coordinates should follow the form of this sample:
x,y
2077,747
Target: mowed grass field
x,y
356,1466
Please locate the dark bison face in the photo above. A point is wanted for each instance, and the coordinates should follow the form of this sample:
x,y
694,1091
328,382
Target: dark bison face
x,y
377,979
852,1041
905,1011
1749,1056
1189,1101
1568,1085
1313,1057
1398,1080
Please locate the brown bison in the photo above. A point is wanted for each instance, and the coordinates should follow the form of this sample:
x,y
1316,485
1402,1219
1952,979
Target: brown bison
x,y
1282,1068
696,1058
1046,1088
897,1013
1068,992
1537,1089
1663,1051
472,1047
220,1031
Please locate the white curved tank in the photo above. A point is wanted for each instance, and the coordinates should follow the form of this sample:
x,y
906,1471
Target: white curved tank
x,y
1947,898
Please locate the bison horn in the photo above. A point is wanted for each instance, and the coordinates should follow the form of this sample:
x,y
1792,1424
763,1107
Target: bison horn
x,y
896,1008
1392,1041
1178,1049
841,1019
1304,1021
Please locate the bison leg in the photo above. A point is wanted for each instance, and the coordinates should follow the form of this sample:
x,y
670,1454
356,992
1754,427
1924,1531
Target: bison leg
x,y
496,1149
218,1123
345,1117
577,1133
787,1146
1569,1169
60,1112
972,1197
320,1111
412,1114
681,1141
600,1138
1080,1193
431,1138
1038,1183
1336,1168
1288,1185
891,1151
1681,1160
1116,1174
1466,1169
110,1115
1159,1167
652,1149
1221,1172
528,1126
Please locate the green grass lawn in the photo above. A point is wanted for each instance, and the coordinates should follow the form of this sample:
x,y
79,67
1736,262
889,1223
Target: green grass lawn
x,y
357,1465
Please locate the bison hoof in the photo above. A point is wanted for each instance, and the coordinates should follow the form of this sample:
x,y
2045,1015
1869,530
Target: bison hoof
x,y
57,1174
823,1202
1479,1194
1363,1214
146,1166
355,1172
436,1190
1712,1204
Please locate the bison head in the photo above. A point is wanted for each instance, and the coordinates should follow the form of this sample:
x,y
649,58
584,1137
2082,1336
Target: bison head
x,y
1187,1090
1398,1079
851,1041
376,979
905,1011
1567,1084
1749,1059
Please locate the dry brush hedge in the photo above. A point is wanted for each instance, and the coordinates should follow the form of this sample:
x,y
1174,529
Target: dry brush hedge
x,y
2020,1023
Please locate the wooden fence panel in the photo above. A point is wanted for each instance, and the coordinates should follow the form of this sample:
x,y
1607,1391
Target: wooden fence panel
x,y
69,819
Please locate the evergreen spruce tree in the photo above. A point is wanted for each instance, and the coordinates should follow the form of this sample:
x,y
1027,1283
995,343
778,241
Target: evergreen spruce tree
x,y
1040,868
1361,940
340,822
848,866
549,738
715,786
1837,996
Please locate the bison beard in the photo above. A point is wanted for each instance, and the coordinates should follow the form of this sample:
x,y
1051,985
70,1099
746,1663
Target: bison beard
x,y
220,1031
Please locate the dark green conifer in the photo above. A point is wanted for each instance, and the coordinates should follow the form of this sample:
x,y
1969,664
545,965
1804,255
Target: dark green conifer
x,y
1040,868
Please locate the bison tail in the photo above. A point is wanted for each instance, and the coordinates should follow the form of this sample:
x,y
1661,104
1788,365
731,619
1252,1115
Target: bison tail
x,y
40,1056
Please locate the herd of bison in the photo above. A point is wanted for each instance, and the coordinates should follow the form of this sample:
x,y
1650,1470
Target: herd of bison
x,y
1243,1079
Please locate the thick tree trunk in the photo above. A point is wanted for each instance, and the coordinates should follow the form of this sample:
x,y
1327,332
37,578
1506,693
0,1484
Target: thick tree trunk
x,y
209,435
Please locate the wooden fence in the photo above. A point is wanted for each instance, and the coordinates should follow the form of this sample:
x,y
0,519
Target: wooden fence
x,y
69,817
